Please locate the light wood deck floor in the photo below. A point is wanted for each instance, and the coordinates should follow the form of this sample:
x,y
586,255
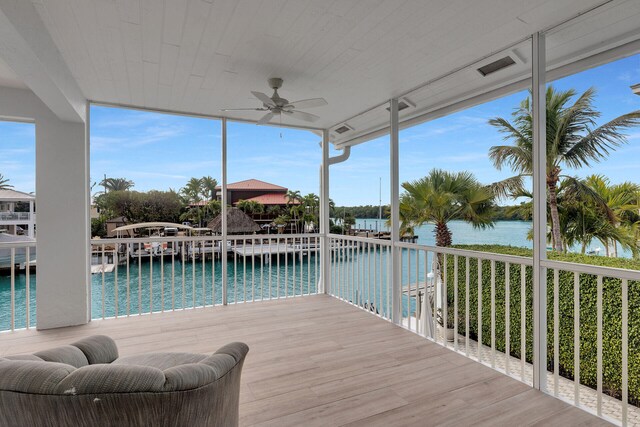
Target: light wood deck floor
x,y
319,361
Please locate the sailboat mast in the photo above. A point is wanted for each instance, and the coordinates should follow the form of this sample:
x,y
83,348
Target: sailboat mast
x,y
380,201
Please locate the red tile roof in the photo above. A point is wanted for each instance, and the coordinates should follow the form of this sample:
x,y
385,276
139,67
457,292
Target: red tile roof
x,y
272,199
253,184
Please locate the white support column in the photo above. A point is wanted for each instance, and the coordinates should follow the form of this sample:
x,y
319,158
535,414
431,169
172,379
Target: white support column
x,y
324,285
223,243
62,194
538,89
63,249
396,315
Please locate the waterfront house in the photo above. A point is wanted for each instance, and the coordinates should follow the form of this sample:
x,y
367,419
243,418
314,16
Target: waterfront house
x,y
17,222
254,190
337,333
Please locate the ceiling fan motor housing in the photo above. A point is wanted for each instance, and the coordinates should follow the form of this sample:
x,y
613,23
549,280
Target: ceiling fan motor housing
x,y
275,83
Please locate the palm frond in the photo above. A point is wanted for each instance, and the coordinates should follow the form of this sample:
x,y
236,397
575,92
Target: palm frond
x,y
508,188
597,144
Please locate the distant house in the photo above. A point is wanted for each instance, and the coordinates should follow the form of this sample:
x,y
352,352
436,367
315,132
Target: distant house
x,y
13,222
114,223
257,191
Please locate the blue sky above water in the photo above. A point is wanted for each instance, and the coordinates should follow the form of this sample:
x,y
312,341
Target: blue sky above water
x,y
159,151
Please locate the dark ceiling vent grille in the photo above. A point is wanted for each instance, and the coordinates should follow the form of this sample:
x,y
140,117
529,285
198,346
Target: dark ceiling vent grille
x,y
496,66
403,104
342,129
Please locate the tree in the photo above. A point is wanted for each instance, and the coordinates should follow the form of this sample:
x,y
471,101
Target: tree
x,y
163,206
250,207
443,196
116,184
208,187
311,209
4,183
573,141
347,222
293,202
192,191
273,210
621,199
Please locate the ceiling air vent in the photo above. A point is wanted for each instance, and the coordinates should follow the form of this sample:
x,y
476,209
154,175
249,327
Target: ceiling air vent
x,y
403,104
496,65
344,128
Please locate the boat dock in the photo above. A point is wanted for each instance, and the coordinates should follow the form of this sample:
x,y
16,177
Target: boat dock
x,y
102,268
253,250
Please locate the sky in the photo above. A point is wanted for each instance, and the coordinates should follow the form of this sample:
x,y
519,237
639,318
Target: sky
x,y
159,151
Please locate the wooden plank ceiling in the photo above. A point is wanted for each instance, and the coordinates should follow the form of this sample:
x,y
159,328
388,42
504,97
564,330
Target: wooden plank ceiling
x,y
203,55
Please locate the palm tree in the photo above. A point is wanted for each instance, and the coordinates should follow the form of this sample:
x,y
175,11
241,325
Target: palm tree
x,y
191,191
208,187
621,200
250,206
116,184
443,196
4,183
573,141
293,202
311,203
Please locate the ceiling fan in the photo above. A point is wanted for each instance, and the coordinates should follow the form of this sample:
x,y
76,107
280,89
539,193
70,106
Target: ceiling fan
x,y
275,105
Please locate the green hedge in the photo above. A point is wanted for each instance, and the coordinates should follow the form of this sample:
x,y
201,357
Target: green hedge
x,y
612,315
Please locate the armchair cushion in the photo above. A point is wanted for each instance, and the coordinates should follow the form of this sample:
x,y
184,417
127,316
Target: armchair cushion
x,y
67,354
98,349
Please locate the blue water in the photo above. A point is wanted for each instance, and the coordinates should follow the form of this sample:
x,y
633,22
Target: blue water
x,y
196,284
512,233
175,292
508,233
174,286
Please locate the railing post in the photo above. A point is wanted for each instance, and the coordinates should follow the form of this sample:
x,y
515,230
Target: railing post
x,y
223,242
324,286
395,212
538,91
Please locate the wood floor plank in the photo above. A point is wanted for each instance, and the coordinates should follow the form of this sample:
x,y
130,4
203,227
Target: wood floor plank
x,y
341,411
318,361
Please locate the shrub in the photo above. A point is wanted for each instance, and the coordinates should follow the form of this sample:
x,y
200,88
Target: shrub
x,y
612,314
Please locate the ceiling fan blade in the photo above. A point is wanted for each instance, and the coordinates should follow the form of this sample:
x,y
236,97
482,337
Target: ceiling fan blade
x,y
265,119
244,109
264,98
308,103
301,115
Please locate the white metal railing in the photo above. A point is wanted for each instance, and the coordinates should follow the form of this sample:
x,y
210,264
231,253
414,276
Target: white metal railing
x,y
464,306
593,333
17,285
593,349
359,272
15,216
593,316
157,274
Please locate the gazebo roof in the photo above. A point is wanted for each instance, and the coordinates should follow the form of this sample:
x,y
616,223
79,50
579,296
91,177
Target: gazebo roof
x,y
237,222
